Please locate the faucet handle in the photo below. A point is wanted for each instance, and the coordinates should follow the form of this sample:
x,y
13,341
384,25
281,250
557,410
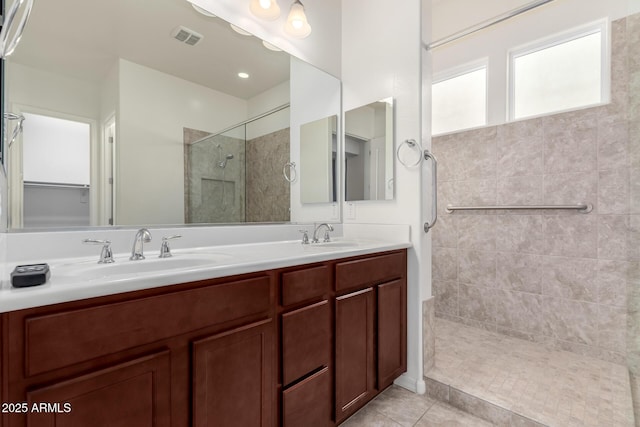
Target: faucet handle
x,y
327,238
106,256
305,237
165,250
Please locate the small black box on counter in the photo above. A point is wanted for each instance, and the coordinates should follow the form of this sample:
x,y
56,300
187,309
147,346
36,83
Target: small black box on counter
x,y
30,275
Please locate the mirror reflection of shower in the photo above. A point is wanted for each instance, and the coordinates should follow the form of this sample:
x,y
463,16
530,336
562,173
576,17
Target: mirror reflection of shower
x,y
223,163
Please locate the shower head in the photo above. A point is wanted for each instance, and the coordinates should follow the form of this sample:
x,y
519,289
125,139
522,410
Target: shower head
x,y
223,164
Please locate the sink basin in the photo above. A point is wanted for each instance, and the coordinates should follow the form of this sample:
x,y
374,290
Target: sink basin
x,y
92,270
337,244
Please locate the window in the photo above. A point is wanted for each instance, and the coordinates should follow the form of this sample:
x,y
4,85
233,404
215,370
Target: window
x,y
564,73
459,101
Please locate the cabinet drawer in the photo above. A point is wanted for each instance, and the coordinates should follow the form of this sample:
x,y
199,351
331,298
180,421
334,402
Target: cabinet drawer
x,y
57,340
363,272
308,403
306,341
304,285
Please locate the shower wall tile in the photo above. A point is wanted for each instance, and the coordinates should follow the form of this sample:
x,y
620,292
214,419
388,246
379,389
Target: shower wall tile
x,y
446,149
476,303
520,190
445,264
477,232
571,235
613,233
477,268
569,320
634,191
520,233
612,328
429,340
446,196
476,192
446,297
519,311
570,141
613,191
613,140
519,148
477,158
571,189
519,272
612,282
571,278
445,235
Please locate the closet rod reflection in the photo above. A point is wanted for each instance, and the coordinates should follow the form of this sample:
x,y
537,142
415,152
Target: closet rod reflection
x,y
584,208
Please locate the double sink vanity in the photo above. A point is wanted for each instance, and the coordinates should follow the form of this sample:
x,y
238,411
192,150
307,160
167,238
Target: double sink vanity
x,y
254,334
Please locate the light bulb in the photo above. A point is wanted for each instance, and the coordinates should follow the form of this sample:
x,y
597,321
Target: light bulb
x,y
297,25
265,9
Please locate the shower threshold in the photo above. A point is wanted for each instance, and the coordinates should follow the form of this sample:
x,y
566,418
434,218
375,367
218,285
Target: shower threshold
x,y
509,381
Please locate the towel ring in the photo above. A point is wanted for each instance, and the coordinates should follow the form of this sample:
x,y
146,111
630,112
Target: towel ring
x,y
293,173
411,143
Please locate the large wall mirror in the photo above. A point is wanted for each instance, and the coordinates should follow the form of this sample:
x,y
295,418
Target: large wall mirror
x,y
369,159
165,114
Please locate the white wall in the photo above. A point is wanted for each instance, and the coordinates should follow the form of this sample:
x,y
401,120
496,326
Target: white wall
x,y
493,43
49,91
310,83
381,59
321,48
266,101
315,160
150,147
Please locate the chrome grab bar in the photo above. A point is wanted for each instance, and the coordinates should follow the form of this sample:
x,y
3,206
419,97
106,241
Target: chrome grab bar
x,y
582,208
434,178
7,47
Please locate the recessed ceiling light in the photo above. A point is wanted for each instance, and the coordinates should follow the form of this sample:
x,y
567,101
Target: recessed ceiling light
x,y
243,75
240,30
203,11
271,47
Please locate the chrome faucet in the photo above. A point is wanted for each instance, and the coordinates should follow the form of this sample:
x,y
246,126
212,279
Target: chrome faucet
x,y
137,251
327,238
106,255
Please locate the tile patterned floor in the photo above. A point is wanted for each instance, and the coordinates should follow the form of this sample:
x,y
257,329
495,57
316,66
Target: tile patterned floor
x,y
397,407
555,388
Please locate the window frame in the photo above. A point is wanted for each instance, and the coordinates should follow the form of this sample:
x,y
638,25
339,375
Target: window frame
x,y
600,26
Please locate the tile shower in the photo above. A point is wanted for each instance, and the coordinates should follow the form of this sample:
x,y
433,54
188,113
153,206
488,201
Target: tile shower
x,y
564,280
248,187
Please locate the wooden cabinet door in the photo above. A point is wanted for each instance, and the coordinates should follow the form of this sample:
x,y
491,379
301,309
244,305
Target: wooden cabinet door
x,y
308,403
136,393
355,370
233,378
392,332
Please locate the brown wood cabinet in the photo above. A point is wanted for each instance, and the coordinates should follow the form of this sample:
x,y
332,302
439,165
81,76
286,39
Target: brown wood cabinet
x,y
371,329
299,346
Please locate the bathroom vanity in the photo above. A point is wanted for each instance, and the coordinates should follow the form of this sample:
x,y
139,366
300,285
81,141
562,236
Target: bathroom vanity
x,y
305,344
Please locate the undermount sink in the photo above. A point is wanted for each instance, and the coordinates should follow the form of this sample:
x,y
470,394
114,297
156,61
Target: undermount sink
x,y
92,270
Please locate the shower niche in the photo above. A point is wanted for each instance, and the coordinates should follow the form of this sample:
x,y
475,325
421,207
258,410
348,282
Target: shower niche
x,y
237,175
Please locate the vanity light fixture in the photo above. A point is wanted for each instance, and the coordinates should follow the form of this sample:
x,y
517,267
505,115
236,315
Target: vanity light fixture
x,y
240,30
243,75
297,24
265,9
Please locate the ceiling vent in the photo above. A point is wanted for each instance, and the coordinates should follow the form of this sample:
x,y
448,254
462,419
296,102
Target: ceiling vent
x,y
185,35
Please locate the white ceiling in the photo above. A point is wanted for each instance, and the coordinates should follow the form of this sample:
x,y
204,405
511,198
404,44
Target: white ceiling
x,y
83,39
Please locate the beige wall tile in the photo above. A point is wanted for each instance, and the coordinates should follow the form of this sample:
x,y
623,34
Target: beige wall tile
x,y
572,278
520,233
571,235
519,272
477,268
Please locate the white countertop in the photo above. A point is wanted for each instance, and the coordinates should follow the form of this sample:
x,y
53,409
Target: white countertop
x,y
81,277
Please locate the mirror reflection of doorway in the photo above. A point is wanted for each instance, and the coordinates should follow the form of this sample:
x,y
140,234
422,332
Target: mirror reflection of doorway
x,y
52,182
